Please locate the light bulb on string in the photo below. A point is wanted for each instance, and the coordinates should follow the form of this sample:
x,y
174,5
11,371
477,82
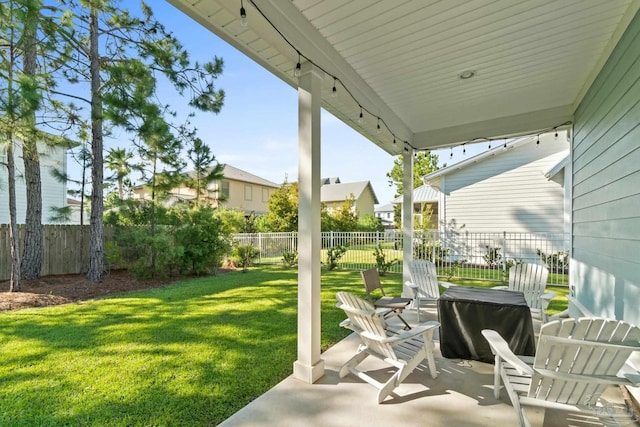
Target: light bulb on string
x,y
505,144
243,15
378,128
451,155
361,117
489,145
556,132
334,91
394,140
538,140
298,69
464,150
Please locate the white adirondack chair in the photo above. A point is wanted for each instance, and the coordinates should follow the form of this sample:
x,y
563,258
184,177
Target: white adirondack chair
x,y
424,283
404,350
531,280
575,361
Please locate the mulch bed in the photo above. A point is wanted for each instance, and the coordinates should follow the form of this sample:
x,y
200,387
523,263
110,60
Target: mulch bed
x,y
63,289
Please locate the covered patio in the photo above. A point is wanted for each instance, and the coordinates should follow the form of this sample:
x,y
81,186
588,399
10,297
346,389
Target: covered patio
x,y
461,395
422,75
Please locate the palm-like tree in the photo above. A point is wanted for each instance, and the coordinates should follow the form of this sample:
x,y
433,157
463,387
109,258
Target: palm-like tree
x,y
118,160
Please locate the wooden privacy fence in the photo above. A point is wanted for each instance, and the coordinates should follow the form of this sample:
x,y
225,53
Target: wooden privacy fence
x,y
65,249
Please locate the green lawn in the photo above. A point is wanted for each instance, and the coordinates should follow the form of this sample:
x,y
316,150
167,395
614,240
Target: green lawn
x,y
188,354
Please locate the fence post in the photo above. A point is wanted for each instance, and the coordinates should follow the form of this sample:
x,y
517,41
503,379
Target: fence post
x,y
260,247
504,254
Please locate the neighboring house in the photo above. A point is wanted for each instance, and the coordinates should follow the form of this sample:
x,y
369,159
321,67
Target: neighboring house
x,y
385,214
517,188
425,205
238,189
333,194
54,192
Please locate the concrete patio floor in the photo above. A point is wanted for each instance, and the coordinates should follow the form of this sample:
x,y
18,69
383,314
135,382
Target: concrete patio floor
x,y
461,395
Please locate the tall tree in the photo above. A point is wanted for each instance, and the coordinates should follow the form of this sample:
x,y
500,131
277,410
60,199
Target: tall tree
x,y
119,161
31,263
282,208
204,171
423,164
20,97
124,54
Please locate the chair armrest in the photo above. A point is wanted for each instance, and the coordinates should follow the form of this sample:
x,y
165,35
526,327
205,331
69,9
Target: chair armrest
x,y
500,348
500,287
546,299
413,287
446,285
405,335
628,379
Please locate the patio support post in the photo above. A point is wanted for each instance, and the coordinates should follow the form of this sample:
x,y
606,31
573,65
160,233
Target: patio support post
x,y
407,218
309,367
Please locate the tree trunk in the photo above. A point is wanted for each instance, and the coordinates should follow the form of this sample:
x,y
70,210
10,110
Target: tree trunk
x,y
32,255
96,243
14,281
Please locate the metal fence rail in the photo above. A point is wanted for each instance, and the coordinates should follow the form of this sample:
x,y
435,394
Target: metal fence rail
x,y
482,256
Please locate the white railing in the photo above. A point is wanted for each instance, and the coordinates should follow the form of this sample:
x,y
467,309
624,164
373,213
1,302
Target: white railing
x,y
482,256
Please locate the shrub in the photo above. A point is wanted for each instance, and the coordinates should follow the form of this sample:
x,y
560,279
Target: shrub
x,y
334,254
557,262
381,262
290,258
492,257
243,256
427,249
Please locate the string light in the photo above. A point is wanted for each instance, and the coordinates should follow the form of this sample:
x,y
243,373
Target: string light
x,y
464,149
451,155
538,141
296,72
380,121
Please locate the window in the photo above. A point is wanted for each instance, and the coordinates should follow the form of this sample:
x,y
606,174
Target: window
x,y
224,189
265,195
248,192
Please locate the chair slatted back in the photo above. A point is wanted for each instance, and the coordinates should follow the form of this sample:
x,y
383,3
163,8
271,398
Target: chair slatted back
x,y
590,346
531,280
371,280
370,325
423,274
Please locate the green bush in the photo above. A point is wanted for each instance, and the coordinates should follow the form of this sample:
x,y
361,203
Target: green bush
x,y
243,256
334,254
290,258
381,262
428,249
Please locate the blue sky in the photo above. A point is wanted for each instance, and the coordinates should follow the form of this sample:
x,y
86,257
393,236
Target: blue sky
x,y
257,128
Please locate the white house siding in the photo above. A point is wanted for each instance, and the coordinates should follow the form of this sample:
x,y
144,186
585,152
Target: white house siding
x,y
54,193
508,191
605,271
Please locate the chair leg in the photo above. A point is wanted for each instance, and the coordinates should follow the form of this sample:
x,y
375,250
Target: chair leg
x,y
355,360
390,385
496,377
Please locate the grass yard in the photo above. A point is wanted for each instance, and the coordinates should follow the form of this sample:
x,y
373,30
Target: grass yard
x,y
188,354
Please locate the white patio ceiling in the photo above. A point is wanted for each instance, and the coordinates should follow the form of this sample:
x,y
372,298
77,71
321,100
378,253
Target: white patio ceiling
x,y
401,60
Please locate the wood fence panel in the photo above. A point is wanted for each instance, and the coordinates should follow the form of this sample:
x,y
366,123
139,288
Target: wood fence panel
x,y
65,249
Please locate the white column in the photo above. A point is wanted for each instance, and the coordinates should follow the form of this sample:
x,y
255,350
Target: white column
x,y
309,367
407,217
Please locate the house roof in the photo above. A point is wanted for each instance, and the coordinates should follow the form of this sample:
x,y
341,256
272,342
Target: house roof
x,y
557,167
423,194
343,191
231,172
530,62
384,208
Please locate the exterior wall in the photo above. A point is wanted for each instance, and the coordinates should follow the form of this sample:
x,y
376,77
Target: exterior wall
x,y
605,270
508,192
363,205
247,196
54,193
